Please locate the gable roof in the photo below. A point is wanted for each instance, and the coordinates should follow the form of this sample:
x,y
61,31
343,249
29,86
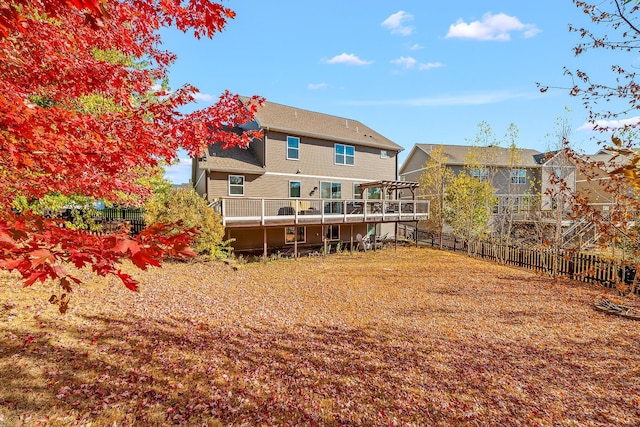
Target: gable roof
x,y
299,122
236,159
499,156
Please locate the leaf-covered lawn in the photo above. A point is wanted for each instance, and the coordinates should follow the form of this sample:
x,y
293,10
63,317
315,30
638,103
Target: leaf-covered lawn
x,y
407,337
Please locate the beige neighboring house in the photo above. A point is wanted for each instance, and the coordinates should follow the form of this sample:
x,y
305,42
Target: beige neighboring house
x,y
312,179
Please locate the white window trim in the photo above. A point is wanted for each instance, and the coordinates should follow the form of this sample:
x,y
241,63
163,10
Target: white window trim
x,y
516,176
294,197
345,154
356,192
236,185
384,154
331,189
480,173
298,149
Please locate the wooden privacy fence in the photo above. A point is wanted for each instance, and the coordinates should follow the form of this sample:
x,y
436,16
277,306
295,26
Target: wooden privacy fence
x,y
588,268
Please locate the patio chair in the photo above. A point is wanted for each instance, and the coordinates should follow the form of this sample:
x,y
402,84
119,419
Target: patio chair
x,y
363,242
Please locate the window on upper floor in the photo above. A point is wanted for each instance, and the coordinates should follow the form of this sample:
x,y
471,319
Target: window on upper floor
x,y
236,185
344,154
383,154
481,173
293,148
518,176
294,188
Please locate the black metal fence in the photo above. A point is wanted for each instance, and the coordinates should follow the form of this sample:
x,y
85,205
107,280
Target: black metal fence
x,y
112,219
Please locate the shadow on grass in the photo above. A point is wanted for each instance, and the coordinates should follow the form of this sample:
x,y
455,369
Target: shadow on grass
x,y
142,372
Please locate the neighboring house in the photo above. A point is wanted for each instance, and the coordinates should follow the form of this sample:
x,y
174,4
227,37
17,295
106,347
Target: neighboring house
x,y
300,182
557,177
514,174
593,176
530,181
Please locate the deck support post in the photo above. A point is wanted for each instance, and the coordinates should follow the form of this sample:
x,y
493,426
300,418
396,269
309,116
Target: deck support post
x,y
324,240
351,241
264,243
395,238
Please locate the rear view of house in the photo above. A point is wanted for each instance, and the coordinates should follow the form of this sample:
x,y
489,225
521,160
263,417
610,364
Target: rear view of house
x,y
300,184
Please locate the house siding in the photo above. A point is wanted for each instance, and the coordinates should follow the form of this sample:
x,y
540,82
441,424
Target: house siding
x,y
415,165
316,165
317,158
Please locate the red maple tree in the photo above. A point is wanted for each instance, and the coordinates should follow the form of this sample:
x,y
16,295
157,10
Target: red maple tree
x,y
58,56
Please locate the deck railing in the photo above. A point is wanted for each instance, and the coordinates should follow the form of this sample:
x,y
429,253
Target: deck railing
x,y
249,211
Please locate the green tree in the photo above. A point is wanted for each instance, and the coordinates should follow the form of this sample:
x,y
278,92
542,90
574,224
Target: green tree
x,y
468,206
433,181
509,202
188,209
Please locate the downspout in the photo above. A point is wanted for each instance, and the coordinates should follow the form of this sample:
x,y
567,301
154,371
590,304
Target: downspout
x,y
397,175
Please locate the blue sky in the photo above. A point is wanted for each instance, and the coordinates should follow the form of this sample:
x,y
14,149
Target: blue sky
x,y
416,71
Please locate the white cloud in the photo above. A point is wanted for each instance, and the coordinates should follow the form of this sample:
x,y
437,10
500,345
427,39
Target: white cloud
x,y
203,97
316,86
491,27
445,101
396,23
430,65
406,62
409,62
415,46
348,59
180,172
611,124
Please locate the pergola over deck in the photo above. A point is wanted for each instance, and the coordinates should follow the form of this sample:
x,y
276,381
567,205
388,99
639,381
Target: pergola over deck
x,y
387,187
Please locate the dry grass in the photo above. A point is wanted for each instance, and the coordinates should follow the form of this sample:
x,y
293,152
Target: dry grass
x,y
413,337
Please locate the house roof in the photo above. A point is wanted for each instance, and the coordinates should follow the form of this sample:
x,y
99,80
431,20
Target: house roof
x,y
609,160
235,159
496,155
296,121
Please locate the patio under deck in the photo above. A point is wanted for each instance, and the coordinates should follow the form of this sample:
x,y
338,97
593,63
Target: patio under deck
x,y
247,212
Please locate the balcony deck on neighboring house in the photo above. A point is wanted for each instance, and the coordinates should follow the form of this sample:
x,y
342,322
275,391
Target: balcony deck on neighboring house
x,y
250,212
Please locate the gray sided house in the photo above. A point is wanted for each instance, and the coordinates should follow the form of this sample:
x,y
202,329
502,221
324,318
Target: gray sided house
x,y
515,174
300,183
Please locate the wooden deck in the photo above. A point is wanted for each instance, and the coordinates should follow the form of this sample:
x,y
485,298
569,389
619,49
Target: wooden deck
x,y
251,212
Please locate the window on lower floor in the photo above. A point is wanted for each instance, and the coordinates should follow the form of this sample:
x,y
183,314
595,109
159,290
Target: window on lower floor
x,y
293,234
357,193
374,193
333,232
236,185
331,190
